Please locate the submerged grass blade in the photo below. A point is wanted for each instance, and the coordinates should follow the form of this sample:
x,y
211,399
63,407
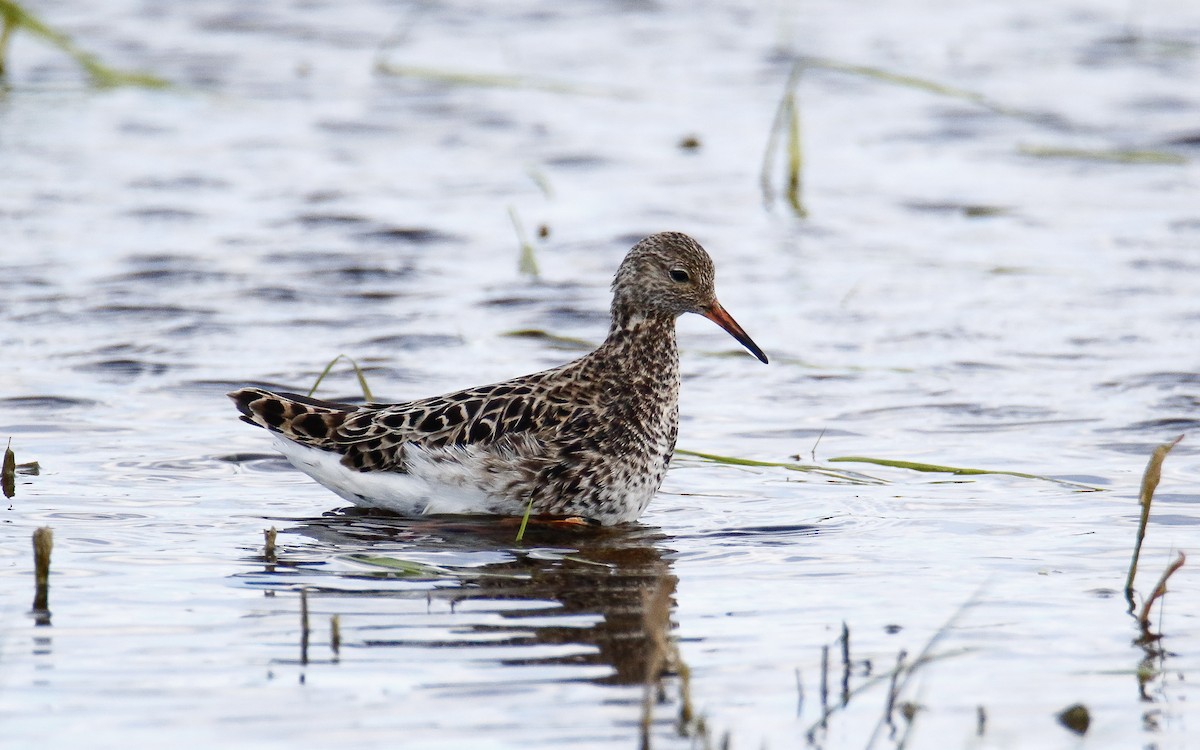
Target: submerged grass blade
x,y
493,80
1114,156
795,154
14,16
362,378
845,476
960,470
527,264
920,84
525,520
784,119
1150,479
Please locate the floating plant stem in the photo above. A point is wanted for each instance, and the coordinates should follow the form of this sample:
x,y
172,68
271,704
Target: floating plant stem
x,y
527,264
362,379
43,545
13,16
845,476
1150,479
494,80
959,470
1114,156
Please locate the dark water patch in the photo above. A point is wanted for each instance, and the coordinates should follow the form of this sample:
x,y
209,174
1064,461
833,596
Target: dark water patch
x,y
510,302
273,294
411,341
762,533
1143,449
1185,225
150,312
1181,403
361,274
1005,426
182,183
408,235
577,161
1191,139
1157,380
124,369
577,315
163,213
1166,424
248,458
1165,264
963,408
972,366
1169,519
172,276
1175,497
45,403
313,220
82,516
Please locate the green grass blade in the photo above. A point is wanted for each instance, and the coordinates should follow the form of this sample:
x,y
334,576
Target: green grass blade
x,y
492,80
362,378
1113,156
958,470
525,520
14,16
845,476
527,264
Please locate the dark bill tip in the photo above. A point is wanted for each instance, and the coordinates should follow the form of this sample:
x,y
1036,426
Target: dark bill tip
x,y
718,315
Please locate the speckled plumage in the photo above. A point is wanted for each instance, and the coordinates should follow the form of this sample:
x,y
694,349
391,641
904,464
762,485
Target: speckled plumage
x,y
591,438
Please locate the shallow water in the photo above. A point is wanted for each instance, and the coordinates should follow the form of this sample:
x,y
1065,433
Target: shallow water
x,y
950,299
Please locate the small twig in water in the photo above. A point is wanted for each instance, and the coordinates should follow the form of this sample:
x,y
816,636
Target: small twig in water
x,y
304,631
269,543
335,635
1160,589
813,452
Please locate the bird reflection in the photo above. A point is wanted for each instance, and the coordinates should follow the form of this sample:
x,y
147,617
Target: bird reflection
x,y
596,574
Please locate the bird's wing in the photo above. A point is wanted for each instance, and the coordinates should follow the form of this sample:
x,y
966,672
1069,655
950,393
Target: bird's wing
x,y
373,437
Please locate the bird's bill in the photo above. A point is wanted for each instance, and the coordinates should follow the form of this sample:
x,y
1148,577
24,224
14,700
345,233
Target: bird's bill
x,y
717,314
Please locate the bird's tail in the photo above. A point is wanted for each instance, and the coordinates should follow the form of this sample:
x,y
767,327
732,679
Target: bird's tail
x,y
305,420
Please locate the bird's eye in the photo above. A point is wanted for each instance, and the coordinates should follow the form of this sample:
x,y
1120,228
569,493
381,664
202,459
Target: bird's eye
x,y
680,275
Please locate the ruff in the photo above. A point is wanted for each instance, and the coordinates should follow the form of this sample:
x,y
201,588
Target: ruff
x,y
591,438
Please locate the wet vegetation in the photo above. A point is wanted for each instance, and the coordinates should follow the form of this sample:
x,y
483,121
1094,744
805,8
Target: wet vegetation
x,y
14,17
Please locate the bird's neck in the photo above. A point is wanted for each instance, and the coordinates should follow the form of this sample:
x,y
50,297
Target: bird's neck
x,y
642,337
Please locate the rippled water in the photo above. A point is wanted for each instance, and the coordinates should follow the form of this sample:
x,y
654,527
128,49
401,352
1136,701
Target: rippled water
x,y
957,296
